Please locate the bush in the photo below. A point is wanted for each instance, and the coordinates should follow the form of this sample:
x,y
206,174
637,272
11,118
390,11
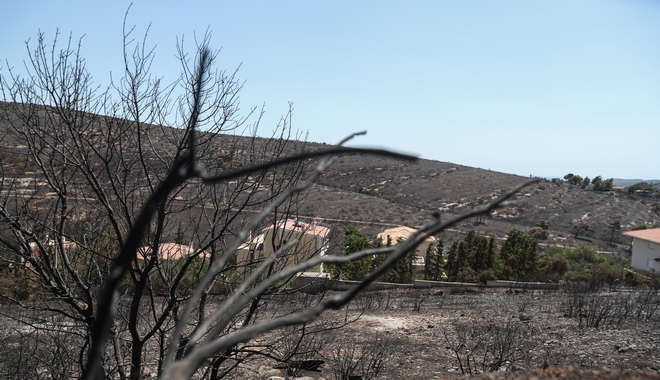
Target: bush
x,y
583,254
539,233
485,275
640,226
555,267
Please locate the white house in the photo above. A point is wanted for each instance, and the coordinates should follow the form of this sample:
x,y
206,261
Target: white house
x,y
402,233
645,249
312,241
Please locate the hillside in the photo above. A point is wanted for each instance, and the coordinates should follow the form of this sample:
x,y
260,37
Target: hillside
x,y
375,193
377,190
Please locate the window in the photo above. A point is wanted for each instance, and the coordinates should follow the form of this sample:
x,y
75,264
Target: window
x,y
651,245
650,263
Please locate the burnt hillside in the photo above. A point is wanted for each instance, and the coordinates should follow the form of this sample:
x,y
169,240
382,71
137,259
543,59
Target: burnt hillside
x,y
374,193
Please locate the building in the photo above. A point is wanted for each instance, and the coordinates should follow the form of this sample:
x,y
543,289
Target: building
x,y
312,241
645,249
396,234
52,249
169,254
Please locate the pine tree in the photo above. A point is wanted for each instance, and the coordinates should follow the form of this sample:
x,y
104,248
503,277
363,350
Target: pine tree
x,y
491,254
433,261
450,264
462,258
479,253
436,268
430,261
404,268
519,255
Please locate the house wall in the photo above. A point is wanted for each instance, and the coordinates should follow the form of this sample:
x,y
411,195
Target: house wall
x,y
395,234
642,252
308,246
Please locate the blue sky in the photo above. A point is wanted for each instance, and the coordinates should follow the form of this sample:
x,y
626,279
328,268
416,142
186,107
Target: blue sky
x,y
523,87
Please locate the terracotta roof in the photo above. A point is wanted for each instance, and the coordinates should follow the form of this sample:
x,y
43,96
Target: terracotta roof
x,y
652,234
312,229
402,231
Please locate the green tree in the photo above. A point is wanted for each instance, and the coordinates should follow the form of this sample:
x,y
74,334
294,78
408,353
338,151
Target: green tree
x,y
555,267
643,187
433,261
600,185
451,267
404,269
573,179
469,239
542,230
479,253
583,254
491,255
582,226
519,256
462,257
543,224
354,241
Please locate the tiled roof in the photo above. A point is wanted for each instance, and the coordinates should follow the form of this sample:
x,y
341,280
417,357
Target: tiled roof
x,y
312,229
652,234
402,231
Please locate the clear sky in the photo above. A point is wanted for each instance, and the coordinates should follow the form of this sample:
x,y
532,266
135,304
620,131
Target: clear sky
x,y
523,87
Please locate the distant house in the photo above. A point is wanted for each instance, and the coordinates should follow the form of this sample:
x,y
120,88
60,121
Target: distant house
x,y
51,248
645,249
403,233
312,241
170,253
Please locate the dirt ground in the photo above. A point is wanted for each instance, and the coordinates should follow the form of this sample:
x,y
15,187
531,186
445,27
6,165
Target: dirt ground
x,y
424,325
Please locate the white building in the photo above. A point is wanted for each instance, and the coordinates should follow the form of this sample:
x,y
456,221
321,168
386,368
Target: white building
x,y
645,249
403,233
312,241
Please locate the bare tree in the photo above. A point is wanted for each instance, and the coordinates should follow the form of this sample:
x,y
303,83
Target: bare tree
x,y
487,348
112,184
351,359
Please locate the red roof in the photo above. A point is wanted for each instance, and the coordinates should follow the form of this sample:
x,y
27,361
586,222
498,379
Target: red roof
x,y
312,229
652,234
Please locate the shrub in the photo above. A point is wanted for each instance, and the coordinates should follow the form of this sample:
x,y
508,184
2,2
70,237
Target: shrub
x,y
640,226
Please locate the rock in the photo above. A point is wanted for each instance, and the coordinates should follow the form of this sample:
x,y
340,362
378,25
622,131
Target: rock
x,y
430,326
276,378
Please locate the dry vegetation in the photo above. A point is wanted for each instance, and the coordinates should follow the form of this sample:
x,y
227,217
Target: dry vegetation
x,y
429,334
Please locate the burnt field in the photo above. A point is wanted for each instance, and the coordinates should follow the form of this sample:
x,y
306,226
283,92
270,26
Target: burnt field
x,y
412,333
470,331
